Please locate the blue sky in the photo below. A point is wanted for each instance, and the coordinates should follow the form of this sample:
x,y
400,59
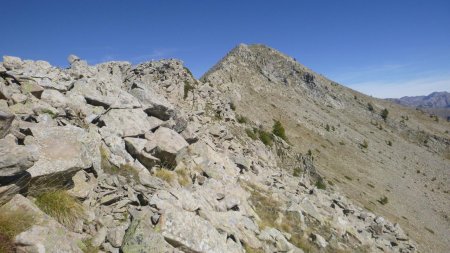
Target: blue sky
x,y
382,48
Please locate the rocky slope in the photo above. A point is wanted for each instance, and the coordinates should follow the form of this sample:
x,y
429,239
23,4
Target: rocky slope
x,y
161,162
403,157
437,103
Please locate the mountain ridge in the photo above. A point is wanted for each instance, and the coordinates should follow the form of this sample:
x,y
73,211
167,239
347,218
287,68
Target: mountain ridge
x,y
260,155
335,122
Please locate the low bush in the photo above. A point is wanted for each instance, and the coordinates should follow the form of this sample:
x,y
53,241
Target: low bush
x,y
384,113
297,172
241,119
370,107
320,184
187,88
251,133
278,130
265,137
384,200
364,144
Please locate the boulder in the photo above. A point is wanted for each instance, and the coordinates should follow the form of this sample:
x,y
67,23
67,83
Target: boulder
x,y
63,151
190,233
12,62
153,103
5,123
15,159
72,58
45,234
54,98
83,184
31,86
126,122
165,145
141,238
135,146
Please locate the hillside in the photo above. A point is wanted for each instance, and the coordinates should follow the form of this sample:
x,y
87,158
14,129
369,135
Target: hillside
x,y
404,158
121,158
436,103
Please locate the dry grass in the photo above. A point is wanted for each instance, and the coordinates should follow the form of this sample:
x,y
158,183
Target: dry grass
x,y
59,204
166,175
183,177
249,249
86,246
12,224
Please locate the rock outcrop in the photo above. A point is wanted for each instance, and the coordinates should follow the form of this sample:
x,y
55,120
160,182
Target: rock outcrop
x,y
162,163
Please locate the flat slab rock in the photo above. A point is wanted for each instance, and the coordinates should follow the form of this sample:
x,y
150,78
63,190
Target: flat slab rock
x,y
190,233
62,150
126,122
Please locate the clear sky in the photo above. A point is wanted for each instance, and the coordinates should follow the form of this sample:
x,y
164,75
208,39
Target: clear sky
x,y
382,48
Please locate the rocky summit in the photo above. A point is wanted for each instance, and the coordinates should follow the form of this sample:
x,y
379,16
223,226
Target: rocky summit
x,y
259,155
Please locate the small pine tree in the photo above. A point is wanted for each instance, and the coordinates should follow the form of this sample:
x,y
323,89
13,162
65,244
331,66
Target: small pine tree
x,y
384,113
278,130
327,127
370,107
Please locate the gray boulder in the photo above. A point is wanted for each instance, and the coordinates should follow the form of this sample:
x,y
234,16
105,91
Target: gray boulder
x,y
5,123
63,151
190,233
141,238
12,62
15,159
126,122
165,145
72,58
153,103
135,147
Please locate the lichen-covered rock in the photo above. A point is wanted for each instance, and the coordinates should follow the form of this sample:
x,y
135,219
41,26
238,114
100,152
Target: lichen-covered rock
x,y
165,144
141,237
63,151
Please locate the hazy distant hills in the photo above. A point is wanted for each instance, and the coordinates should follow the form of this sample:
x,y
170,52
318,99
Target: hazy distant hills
x,y
436,103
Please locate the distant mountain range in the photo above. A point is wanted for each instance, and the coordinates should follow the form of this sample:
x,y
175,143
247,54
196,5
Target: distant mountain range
x,y
436,103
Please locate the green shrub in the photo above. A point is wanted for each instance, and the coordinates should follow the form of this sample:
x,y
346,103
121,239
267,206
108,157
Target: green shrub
x,y
251,134
389,143
241,119
384,113
370,107
265,137
320,184
384,200
187,88
62,206
278,130
297,172
364,144
232,106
